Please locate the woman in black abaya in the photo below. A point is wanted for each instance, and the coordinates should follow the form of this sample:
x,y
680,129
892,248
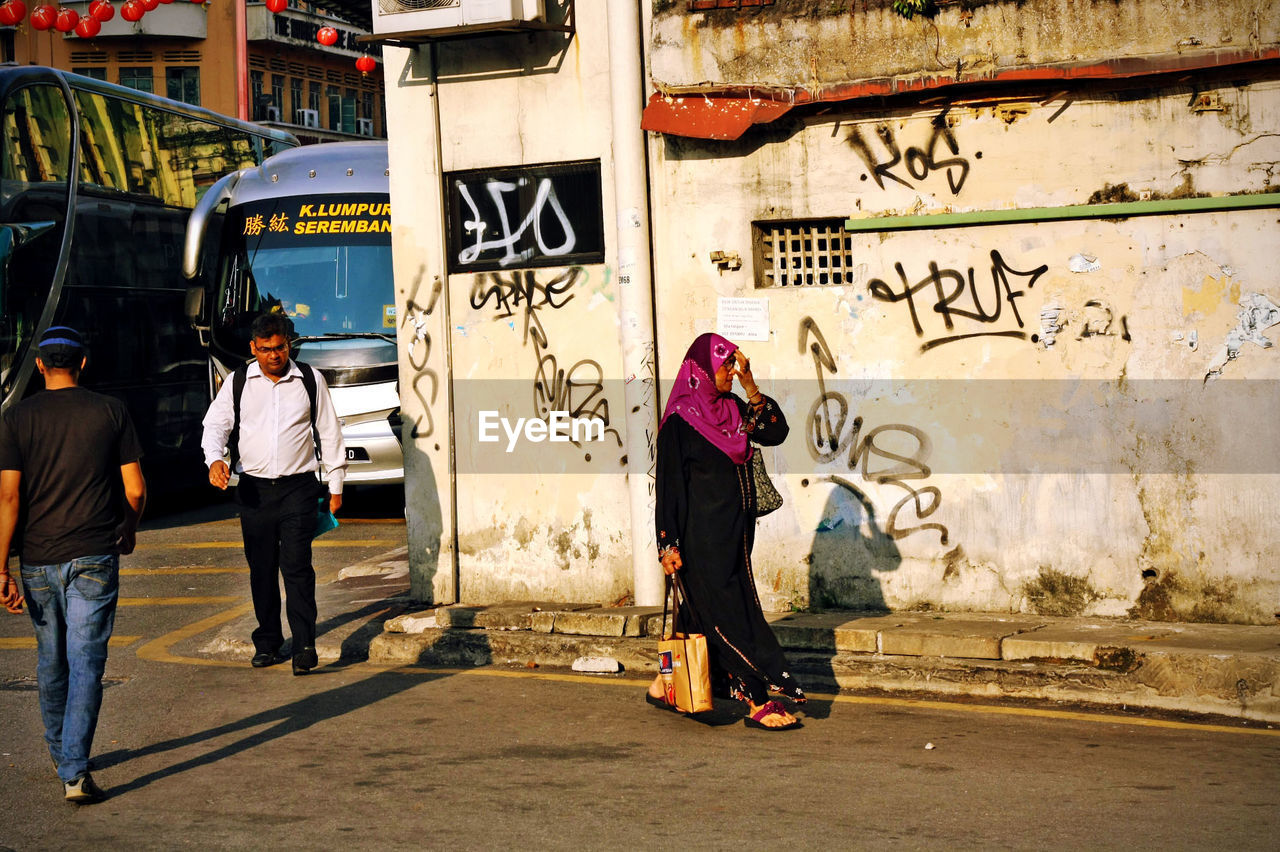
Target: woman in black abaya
x,y
706,524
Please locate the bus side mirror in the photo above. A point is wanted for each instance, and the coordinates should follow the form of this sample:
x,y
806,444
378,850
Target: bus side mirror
x,y
195,312
195,304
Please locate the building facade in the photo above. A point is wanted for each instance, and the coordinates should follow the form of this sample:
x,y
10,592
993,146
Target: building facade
x,y
1008,267
282,76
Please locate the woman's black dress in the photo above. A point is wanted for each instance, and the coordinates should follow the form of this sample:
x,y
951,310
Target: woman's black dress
x,y
706,508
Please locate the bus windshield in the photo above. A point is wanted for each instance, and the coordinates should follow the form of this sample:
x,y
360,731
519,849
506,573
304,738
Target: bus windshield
x,y
327,265
325,289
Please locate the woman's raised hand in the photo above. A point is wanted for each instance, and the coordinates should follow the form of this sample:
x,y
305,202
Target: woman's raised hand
x,y
743,371
671,561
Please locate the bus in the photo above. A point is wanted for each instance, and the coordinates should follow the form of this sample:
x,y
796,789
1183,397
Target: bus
x,y
96,184
308,233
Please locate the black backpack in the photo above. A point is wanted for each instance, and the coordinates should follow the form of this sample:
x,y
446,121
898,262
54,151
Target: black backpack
x,y
238,378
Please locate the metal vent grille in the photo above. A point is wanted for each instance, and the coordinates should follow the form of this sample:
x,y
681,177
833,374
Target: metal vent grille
x,y
815,253
391,7
181,56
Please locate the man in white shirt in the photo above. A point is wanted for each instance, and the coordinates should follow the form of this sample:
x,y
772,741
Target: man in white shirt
x,y
275,452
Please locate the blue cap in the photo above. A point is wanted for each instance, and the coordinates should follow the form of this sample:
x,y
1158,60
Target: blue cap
x,y
61,347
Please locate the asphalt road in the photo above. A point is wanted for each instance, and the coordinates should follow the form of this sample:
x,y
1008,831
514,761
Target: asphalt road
x,y
210,754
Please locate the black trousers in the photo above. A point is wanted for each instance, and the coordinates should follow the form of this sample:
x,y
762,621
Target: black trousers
x,y
277,519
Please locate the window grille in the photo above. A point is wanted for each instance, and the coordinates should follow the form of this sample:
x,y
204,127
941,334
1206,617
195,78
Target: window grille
x,y
803,253
180,56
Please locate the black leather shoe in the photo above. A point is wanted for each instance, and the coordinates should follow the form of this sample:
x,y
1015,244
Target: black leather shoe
x,y
305,660
262,659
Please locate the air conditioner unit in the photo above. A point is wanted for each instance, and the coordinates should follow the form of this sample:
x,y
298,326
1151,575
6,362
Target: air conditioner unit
x,y
398,17
306,117
273,113
364,126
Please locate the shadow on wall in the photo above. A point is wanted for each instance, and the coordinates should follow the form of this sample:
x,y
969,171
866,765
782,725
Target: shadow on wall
x,y
425,519
850,550
514,54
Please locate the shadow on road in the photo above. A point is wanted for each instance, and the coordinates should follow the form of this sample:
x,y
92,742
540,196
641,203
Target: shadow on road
x,y
288,719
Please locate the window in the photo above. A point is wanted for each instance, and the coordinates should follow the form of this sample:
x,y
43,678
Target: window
x,y
335,109
277,92
170,157
313,97
137,78
95,73
183,84
349,111
799,253
295,96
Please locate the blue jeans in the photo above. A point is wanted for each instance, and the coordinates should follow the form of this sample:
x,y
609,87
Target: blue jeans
x,y
73,608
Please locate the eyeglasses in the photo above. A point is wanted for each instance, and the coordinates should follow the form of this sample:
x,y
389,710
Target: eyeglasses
x,y
271,350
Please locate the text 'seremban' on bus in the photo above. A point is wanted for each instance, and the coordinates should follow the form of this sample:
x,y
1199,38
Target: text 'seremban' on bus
x,y
309,233
96,183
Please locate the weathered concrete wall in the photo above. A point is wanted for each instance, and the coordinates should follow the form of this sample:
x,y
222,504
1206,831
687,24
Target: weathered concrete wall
x,y
544,521
1032,430
818,44
1036,431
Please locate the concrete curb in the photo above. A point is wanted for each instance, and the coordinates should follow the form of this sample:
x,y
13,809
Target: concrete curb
x,y
1226,670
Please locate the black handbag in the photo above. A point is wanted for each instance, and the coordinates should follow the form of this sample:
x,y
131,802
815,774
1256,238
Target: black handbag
x,y
767,497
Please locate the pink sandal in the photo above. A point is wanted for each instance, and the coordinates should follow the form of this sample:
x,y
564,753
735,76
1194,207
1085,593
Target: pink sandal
x,y
769,708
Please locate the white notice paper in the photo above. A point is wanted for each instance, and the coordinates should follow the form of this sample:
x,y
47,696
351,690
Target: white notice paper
x,y
743,319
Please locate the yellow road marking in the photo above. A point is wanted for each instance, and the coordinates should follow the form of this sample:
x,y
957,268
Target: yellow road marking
x,y
159,572
24,642
157,650
179,601
219,545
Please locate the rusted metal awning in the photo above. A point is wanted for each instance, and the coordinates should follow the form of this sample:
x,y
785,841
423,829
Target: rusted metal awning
x,y
706,117
725,112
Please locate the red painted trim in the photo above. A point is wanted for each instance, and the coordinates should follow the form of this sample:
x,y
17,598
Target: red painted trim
x,y
725,112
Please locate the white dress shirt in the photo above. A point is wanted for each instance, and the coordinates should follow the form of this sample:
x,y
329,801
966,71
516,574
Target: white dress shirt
x,y
275,428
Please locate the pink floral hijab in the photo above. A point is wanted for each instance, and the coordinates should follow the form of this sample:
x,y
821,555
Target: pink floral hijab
x,y
694,397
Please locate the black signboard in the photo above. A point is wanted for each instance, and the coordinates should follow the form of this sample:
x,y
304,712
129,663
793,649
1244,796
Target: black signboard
x,y
523,216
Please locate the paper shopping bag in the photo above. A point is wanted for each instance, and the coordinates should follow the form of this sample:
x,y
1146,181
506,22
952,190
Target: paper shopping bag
x,y
683,662
686,673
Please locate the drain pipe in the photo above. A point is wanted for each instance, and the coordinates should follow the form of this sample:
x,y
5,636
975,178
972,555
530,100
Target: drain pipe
x,y
635,287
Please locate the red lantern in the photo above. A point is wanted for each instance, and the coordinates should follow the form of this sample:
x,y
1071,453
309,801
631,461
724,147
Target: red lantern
x,y
148,5
12,12
277,6
88,27
66,20
132,11
42,17
102,11
327,36
365,64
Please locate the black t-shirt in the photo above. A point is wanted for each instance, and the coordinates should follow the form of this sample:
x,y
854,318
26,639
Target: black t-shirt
x,y
69,445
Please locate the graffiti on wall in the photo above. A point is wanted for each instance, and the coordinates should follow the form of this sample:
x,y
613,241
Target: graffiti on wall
x,y
577,389
418,314
547,215
877,453
951,294
888,161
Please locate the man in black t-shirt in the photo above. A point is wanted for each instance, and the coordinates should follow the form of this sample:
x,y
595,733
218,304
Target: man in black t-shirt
x,y
69,466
